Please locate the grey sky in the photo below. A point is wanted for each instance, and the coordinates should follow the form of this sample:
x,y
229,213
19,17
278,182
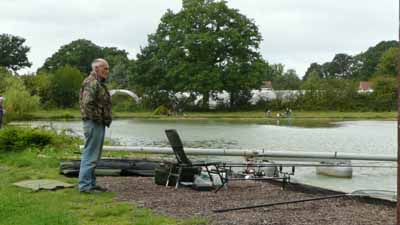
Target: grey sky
x,y
296,33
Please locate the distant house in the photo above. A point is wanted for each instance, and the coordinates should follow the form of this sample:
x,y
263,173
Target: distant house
x,y
365,87
267,85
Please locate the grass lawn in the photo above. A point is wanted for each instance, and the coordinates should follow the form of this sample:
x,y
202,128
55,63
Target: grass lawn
x,y
19,206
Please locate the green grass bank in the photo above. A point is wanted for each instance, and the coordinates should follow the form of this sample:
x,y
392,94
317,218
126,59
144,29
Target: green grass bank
x,y
240,115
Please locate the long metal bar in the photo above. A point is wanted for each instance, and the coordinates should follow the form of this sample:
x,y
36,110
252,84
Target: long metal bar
x,y
286,155
279,203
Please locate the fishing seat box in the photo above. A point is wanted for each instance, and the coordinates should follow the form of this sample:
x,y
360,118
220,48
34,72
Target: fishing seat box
x,y
161,173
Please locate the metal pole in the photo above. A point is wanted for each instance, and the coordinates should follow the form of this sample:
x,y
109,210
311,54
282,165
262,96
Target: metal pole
x,y
398,129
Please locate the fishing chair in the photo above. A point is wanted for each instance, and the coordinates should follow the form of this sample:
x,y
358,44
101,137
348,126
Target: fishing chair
x,y
183,162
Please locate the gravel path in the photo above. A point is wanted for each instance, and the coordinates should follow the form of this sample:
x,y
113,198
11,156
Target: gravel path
x,y
186,203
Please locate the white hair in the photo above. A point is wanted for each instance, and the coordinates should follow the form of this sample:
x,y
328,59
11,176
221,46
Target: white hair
x,y
98,62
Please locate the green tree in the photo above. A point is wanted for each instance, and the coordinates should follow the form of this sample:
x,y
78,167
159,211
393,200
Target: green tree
x,y
368,61
204,48
115,56
39,85
273,71
65,85
388,64
385,93
13,52
288,81
327,94
312,90
314,68
121,74
19,102
28,81
338,94
80,54
42,84
359,67
4,74
341,66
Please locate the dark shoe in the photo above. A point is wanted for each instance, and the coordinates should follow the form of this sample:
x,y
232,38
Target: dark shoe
x,y
99,189
91,191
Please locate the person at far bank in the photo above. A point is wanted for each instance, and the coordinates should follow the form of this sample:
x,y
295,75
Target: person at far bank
x,y
95,105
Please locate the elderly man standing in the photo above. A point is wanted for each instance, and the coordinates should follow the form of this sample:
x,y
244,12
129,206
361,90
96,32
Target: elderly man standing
x,y
95,104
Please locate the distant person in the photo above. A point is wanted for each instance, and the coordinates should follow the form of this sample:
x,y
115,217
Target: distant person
x,y
278,115
267,112
287,113
1,111
95,104
180,111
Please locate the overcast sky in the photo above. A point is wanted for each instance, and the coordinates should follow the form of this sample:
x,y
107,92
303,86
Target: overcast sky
x,y
296,33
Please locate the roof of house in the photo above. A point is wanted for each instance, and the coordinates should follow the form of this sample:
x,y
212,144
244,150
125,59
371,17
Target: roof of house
x,y
267,84
364,85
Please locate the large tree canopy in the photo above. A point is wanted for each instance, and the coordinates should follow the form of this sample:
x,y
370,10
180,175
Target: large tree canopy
x,y
369,60
341,66
80,54
13,52
204,48
359,67
388,63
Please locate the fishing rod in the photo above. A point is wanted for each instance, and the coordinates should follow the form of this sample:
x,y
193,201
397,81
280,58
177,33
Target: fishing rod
x,y
358,193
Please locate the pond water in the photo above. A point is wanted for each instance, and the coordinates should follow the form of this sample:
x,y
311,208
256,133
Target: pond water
x,y
368,137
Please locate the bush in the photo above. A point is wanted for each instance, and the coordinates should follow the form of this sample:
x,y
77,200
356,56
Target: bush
x,y
17,139
14,139
161,110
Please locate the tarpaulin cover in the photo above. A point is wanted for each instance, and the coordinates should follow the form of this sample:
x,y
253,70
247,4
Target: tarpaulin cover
x,y
37,185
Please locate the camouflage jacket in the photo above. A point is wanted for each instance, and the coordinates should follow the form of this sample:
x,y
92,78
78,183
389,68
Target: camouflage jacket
x,y
95,101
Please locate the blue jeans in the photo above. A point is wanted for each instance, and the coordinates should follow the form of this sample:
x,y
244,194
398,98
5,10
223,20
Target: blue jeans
x,y
94,138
